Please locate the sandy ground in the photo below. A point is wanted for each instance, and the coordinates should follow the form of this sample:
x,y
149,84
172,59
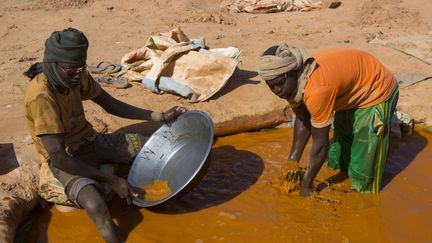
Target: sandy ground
x,y
116,27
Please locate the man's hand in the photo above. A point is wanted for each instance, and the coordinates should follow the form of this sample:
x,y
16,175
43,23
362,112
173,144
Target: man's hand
x,y
123,189
305,191
296,177
290,179
173,113
294,173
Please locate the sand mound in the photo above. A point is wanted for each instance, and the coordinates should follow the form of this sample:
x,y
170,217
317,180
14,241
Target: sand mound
x,y
388,14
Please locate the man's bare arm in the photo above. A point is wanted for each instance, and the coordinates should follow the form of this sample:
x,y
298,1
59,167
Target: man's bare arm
x,y
318,155
54,144
302,132
122,109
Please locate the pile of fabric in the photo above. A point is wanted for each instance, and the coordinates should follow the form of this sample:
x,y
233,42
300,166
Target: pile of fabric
x,y
171,62
269,6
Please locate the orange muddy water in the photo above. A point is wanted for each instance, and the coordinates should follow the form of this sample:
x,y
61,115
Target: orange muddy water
x,y
235,202
157,191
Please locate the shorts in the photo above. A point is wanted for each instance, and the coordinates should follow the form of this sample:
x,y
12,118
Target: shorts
x,y
106,152
360,143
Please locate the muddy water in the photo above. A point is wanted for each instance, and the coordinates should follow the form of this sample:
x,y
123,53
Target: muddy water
x,y
236,203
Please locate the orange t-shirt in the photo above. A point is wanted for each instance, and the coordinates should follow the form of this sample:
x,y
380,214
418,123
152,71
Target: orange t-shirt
x,y
345,79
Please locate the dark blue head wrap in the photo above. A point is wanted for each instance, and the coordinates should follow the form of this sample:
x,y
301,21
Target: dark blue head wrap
x,y
67,46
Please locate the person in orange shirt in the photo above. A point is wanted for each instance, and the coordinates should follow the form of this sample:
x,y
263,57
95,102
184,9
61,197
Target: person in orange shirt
x,y
346,87
73,154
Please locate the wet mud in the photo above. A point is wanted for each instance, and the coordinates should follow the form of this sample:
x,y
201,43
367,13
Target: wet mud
x,y
286,184
236,202
156,191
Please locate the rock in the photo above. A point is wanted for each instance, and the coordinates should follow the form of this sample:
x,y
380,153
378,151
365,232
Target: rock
x,y
330,3
26,59
270,32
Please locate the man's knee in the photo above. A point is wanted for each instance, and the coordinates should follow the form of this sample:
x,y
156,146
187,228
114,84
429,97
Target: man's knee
x,y
91,199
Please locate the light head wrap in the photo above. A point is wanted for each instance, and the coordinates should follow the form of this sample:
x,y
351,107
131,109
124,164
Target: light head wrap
x,y
288,58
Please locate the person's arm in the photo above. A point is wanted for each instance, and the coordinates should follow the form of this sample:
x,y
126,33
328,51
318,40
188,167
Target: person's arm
x,y
124,110
54,144
302,132
318,154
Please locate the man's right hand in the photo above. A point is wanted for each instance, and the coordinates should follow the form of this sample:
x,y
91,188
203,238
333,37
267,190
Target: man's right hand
x,y
173,113
294,175
123,189
294,171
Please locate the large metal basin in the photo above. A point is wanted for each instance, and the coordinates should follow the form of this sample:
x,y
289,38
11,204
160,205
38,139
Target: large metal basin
x,y
175,154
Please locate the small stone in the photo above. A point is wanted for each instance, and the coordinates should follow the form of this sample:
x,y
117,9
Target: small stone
x,y
270,32
69,19
335,4
26,59
110,7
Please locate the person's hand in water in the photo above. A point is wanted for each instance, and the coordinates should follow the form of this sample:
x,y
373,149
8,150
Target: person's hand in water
x,y
171,114
294,171
305,191
294,176
123,189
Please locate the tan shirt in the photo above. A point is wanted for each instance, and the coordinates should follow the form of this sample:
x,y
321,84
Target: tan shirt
x,y
50,112
345,79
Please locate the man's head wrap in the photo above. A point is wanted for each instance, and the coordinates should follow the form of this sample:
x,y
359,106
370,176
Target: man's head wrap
x,y
288,58
67,46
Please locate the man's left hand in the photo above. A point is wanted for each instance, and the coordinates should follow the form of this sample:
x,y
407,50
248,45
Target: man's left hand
x,y
305,191
123,189
173,113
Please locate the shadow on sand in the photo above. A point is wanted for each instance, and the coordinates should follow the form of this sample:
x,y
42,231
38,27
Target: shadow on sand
x,y
9,161
239,78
